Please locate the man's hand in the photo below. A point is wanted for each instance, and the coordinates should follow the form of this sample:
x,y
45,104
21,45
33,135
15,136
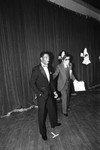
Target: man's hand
x,y
55,95
76,81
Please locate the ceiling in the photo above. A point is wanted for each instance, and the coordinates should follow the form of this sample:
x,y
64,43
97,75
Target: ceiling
x,y
93,3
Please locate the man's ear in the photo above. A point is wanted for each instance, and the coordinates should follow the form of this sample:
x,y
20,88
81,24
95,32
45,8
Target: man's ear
x,y
40,58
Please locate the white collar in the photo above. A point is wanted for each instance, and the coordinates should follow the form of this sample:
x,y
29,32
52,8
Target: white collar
x,y
43,65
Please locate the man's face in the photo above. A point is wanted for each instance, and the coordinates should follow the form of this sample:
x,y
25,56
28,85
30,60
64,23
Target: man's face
x,y
66,61
45,59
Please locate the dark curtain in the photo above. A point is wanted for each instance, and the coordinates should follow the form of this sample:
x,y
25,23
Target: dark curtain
x,y
31,26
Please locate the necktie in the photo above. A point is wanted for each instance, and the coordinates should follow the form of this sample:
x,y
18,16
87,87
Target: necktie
x,y
44,65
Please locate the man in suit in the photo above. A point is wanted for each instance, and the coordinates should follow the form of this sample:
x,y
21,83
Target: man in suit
x,y
64,73
42,84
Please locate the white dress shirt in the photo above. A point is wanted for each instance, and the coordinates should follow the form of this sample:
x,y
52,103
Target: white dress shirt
x,y
45,67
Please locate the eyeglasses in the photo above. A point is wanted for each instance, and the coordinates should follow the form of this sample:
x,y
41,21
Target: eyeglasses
x,y
67,59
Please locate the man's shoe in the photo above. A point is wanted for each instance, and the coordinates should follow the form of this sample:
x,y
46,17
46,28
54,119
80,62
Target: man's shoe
x,y
58,124
44,137
66,114
69,108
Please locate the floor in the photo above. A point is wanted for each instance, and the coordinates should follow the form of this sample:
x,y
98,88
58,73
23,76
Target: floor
x,y
79,131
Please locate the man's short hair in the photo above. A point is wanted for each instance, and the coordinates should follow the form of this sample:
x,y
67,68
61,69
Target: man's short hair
x,y
66,56
43,53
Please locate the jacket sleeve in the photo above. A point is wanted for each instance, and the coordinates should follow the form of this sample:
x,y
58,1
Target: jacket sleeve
x,y
56,73
33,79
53,89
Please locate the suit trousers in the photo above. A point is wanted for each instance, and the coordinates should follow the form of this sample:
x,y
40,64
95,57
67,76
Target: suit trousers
x,y
46,106
65,92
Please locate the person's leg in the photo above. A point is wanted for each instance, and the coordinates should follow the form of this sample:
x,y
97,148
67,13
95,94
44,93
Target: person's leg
x,y
64,101
51,108
68,98
42,113
52,112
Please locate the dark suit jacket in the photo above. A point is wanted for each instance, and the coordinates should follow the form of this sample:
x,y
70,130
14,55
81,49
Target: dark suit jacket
x,y
39,82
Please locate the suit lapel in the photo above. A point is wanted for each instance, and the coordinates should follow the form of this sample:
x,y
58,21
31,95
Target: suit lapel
x,y
63,71
42,71
62,67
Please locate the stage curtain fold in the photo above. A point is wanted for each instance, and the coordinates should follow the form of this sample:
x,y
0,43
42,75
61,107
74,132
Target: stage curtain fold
x,y
29,27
